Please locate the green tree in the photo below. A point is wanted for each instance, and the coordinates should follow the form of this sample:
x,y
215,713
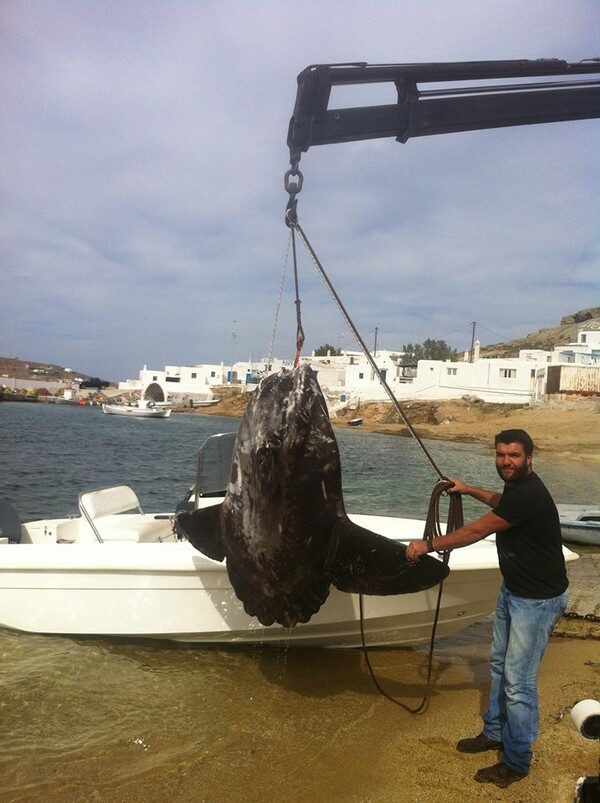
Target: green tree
x,y
428,350
324,351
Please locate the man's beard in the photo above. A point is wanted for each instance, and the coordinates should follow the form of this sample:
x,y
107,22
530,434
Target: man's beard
x,y
516,475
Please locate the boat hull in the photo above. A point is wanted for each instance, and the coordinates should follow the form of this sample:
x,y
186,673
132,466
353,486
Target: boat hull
x,y
579,532
171,591
580,524
128,411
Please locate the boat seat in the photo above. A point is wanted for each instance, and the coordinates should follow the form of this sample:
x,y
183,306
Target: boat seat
x,y
102,510
10,525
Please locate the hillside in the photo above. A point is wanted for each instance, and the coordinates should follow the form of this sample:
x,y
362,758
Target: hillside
x,y
21,369
546,339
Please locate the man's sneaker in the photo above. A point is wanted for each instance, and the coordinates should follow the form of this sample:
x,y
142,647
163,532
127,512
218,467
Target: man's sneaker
x,y
479,744
500,774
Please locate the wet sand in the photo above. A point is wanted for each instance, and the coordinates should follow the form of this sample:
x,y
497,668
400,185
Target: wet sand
x,y
311,727
352,745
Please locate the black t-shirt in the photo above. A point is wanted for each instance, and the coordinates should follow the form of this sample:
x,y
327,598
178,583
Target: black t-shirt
x,y
530,552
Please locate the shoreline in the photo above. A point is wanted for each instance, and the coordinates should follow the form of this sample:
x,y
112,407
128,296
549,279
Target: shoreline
x,y
570,431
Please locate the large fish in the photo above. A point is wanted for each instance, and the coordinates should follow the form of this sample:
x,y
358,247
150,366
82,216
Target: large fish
x,y
282,526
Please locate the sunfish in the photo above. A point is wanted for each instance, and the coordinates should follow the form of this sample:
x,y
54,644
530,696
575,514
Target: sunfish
x,y
282,527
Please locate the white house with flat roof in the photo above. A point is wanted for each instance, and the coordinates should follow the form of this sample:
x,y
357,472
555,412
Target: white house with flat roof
x,y
585,351
185,380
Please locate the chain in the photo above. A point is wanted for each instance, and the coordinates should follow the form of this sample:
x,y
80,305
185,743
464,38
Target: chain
x,y
292,181
586,617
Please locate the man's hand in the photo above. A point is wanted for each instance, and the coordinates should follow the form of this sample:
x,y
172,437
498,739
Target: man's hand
x,y
415,551
458,486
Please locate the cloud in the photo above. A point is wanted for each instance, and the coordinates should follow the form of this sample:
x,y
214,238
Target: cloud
x,y
142,187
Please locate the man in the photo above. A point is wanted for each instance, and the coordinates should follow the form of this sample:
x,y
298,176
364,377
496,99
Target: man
x,y
532,599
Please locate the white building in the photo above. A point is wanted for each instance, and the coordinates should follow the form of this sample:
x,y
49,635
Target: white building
x,y
586,351
349,379
194,381
509,380
499,380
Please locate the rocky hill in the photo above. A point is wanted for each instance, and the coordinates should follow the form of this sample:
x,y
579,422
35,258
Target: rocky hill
x,y
546,339
22,369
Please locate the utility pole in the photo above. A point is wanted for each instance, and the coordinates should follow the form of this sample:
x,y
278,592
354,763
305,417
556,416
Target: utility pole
x,y
472,349
375,346
233,337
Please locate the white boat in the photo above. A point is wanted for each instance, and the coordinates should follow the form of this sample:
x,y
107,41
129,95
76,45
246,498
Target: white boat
x,y
68,397
143,409
140,582
580,524
109,572
204,402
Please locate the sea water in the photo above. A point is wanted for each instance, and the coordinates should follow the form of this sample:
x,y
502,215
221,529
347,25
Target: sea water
x,y
50,453
117,720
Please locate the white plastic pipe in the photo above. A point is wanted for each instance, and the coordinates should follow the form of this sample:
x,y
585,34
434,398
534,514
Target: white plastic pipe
x,y
586,716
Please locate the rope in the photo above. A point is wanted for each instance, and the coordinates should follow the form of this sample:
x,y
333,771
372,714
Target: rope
x,y
278,304
299,329
363,346
432,523
432,530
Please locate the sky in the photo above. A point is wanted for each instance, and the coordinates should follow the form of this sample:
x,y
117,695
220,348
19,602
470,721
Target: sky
x,y
142,195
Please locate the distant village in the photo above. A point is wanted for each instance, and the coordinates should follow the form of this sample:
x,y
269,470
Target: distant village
x,y
348,380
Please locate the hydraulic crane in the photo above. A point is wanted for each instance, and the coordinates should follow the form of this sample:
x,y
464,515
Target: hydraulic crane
x,y
441,98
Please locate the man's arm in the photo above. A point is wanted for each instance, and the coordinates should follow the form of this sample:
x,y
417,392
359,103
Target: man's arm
x,y
486,525
489,498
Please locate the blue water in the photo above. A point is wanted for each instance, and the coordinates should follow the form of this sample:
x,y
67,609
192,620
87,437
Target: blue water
x,y
50,453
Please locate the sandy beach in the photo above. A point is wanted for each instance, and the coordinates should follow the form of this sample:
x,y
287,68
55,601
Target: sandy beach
x,y
318,730
567,430
336,738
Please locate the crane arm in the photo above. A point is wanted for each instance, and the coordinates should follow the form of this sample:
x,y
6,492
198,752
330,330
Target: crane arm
x,y
564,91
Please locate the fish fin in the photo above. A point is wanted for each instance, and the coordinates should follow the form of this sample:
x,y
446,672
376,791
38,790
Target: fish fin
x,y
367,563
273,602
202,528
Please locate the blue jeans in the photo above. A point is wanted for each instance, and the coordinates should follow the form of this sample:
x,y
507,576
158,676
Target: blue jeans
x,y
521,630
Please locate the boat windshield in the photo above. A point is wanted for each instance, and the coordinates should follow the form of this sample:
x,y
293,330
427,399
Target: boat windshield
x,y
214,465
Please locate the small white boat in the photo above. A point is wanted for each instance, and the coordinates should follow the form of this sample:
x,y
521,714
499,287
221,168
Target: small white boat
x,y
111,572
580,524
204,402
143,409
